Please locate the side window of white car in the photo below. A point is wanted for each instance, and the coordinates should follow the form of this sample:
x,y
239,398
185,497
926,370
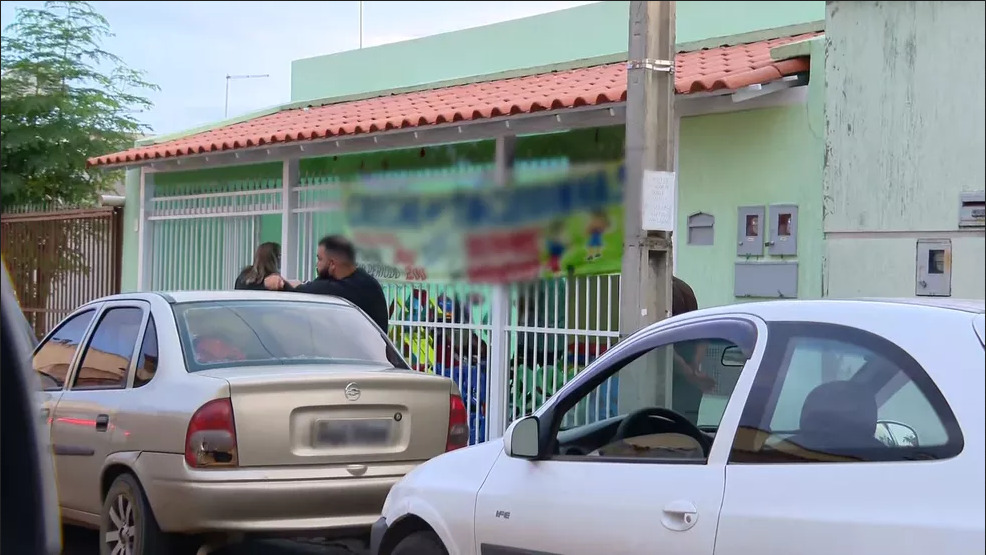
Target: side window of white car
x,y
828,393
660,404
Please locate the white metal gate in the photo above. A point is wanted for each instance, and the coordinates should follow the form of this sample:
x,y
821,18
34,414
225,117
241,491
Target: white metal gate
x,y
445,329
557,328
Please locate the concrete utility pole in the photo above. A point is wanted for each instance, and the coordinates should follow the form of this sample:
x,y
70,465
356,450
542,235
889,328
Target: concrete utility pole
x,y
645,288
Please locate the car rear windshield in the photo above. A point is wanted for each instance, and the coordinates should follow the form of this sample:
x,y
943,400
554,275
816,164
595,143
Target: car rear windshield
x,y
259,333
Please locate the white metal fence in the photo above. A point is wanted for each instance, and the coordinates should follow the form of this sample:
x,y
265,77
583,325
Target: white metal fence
x,y
318,212
445,329
556,329
553,329
203,240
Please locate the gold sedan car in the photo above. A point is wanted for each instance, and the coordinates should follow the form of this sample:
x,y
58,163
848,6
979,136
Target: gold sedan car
x,y
177,414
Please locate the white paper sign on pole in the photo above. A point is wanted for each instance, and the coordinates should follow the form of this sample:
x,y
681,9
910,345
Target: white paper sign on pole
x,y
657,202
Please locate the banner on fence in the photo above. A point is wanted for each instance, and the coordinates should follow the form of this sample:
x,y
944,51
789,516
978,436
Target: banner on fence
x,y
563,226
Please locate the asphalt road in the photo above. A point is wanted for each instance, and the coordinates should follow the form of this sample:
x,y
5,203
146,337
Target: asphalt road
x,y
78,541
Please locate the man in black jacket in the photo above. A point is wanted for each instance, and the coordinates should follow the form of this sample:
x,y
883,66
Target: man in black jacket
x,y
338,275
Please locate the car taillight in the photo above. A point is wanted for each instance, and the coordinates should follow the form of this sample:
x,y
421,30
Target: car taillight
x,y
458,425
211,437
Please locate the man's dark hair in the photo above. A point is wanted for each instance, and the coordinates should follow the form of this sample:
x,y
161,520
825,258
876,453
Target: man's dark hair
x,y
340,247
682,297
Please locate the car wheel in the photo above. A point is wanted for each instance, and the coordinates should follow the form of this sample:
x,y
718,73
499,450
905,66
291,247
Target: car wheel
x,y
127,525
420,543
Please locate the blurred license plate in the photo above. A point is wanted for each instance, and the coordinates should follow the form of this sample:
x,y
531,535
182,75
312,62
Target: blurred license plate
x,y
345,433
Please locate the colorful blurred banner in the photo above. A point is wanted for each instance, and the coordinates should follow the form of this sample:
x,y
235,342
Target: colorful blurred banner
x,y
561,226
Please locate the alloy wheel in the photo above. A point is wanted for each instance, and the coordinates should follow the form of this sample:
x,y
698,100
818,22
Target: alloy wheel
x,y
121,533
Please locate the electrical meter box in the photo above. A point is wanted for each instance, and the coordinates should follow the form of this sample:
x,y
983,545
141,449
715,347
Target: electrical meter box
x,y
783,230
750,231
934,268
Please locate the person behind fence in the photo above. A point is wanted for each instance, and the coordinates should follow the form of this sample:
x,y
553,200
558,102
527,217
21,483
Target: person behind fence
x,y
688,383
266,261
338,275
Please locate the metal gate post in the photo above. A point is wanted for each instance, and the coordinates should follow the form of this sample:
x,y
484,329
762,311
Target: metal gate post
x,y
145,240
289,219
497,407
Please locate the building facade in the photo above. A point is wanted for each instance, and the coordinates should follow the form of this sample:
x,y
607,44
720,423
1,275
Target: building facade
x,y
749,181
904,169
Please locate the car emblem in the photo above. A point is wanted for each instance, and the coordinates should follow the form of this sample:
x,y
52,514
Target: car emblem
x,y
352,391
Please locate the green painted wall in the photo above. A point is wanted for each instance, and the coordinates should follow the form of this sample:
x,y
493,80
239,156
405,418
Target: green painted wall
x,y
590,31
756,157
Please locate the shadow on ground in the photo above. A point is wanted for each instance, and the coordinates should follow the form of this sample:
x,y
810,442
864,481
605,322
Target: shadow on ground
x,y
79,541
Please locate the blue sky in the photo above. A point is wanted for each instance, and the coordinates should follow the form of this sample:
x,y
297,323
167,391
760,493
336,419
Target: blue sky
x,y
187,48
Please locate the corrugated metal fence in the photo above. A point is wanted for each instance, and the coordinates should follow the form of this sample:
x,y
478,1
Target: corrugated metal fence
x,y
59,259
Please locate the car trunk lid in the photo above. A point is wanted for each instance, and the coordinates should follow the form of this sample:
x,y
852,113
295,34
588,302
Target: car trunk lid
x,y
336,414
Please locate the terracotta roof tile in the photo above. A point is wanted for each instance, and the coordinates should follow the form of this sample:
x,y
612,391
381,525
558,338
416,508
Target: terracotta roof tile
x,y
727,67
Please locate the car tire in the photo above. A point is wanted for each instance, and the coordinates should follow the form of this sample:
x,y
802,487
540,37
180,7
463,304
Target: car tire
x,y
127,517
420,543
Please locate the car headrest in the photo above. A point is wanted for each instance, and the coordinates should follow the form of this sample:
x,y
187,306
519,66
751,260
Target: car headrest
x,y
842,408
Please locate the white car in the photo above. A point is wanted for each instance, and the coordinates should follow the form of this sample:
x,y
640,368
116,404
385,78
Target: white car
x,y
807,427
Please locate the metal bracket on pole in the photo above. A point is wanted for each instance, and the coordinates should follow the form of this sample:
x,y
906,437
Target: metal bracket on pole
x,y
652,243
664,66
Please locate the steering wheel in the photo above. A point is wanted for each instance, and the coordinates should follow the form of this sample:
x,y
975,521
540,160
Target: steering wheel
x,y
683,425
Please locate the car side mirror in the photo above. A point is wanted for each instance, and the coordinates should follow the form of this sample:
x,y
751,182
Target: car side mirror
x,y
896,434
522,439
732,357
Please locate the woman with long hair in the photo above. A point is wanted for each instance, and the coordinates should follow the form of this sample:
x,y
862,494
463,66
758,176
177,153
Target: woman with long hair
x,y
266,261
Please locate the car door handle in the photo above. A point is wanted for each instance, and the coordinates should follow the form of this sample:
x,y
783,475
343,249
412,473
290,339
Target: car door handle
x,y
102,422
45,413
356,469
679,515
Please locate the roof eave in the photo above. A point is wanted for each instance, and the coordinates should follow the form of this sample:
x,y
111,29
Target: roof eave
x,y
537,123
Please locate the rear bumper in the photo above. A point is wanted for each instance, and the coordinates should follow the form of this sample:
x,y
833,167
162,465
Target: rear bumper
x,y
258,500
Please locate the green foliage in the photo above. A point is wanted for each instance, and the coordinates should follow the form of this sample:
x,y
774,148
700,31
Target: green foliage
x,y
64,100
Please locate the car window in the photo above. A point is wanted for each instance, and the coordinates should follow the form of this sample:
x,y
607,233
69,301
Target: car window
x,y
107,357
813,361
665,403
836,394
252,333
147,358
53,359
